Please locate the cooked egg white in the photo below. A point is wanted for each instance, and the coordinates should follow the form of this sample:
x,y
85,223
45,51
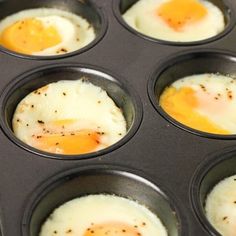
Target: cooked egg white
x,y
205,102
221,206
99,215
45,32
69,117
176,20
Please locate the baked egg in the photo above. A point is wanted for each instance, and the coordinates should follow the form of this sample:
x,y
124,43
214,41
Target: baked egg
x,y
45,32
102,215
69,117
176,20
221,206
204,102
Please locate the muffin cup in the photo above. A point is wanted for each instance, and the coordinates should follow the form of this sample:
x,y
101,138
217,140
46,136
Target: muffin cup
x,y
121,6
100,180
186,64
216,168
86,9
126,100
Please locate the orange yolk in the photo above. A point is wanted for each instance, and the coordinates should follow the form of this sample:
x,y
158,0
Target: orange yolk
x,y
178,13
181,104
112,229
57,138
29,36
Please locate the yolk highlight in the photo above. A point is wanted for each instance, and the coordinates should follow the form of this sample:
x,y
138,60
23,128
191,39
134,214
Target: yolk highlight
x,y
58,137
181,104
178,13
112,229
29,36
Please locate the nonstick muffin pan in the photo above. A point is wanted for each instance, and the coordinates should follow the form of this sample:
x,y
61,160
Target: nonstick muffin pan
x,y
211,172
129,103
96,179
161,163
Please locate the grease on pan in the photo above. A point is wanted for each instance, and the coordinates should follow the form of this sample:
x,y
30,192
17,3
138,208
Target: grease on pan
x,y
221,206
176,20
205,102
99,215
69,117
45,32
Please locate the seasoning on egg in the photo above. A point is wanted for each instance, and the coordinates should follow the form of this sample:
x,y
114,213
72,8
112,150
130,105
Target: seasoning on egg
x,y
176,20
220,206
203,102
44,32
40,122
69,122
108,215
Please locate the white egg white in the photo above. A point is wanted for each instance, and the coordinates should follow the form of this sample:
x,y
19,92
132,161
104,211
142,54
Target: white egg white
x,y
88,105
221,206
143,18
219,92
78,214
75,31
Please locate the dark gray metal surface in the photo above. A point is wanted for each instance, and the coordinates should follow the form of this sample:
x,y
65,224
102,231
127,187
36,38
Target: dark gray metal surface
x,y
164,153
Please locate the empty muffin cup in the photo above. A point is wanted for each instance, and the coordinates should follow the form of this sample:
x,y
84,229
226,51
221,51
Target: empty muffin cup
x,y
49,29
95,180
184,91
215,169
153,20
113,118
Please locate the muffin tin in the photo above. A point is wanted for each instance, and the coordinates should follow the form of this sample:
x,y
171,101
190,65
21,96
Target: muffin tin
x,y
127,100
162,164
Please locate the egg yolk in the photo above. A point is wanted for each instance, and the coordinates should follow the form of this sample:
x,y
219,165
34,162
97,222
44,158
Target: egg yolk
x,y
57,138
29,36
181,104
112,229
178,13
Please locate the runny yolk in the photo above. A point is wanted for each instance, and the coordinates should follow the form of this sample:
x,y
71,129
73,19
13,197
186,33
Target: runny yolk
x,y
178,13
29,36
181,104
112,229
57,138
